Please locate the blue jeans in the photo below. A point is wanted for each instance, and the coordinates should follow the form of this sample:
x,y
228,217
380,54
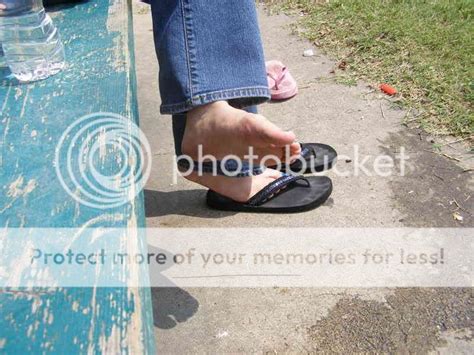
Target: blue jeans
x,y
208,50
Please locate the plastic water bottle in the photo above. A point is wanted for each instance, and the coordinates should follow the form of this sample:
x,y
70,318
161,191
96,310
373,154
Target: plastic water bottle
x,y
30,42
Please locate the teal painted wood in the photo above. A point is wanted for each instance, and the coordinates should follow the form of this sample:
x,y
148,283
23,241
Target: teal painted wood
x,y
99,77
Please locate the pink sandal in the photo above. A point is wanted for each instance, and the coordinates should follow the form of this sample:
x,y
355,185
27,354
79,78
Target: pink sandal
x,y
281,83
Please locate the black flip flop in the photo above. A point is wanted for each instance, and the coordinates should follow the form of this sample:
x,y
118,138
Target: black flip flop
x,y
285,195
318,157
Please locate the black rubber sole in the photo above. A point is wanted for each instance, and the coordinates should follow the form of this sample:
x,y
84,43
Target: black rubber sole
x,y
295,198
326,158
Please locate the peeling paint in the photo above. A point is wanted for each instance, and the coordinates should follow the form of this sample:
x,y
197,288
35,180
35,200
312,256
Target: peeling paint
x,y
117,317
7,96
16,190
115,24
102,144
18,93
25,100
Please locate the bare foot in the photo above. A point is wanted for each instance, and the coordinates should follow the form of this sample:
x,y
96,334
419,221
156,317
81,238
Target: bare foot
x,y
238,189
222,130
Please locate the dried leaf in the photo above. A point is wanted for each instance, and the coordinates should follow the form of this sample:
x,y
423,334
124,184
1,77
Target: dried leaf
x,y
342,65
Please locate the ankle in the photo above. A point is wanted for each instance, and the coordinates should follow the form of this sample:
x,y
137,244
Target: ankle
x,y
201,122
199,111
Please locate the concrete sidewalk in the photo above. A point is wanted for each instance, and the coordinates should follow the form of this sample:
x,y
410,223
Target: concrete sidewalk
x,y
305,320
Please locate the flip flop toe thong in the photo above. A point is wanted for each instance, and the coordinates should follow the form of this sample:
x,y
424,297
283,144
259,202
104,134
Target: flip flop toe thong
x,y
287,194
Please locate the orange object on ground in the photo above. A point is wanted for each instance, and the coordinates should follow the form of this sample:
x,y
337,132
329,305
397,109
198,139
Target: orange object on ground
x,y
389,90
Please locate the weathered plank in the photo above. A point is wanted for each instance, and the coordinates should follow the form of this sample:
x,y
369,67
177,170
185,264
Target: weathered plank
x,y
99,77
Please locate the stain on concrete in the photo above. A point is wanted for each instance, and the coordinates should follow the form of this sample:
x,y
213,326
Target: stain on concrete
x,y
433,187
409,321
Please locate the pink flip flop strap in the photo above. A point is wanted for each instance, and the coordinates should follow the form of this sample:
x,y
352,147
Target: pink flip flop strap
x,y
280,77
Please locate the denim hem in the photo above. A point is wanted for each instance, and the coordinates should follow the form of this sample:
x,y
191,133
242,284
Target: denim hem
x,y
238,97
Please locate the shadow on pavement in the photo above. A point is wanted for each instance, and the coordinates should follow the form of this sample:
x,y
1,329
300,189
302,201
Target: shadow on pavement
x,y
184,202
172,305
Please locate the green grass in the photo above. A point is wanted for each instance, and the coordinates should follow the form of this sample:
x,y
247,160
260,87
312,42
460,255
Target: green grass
x,y
423,48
